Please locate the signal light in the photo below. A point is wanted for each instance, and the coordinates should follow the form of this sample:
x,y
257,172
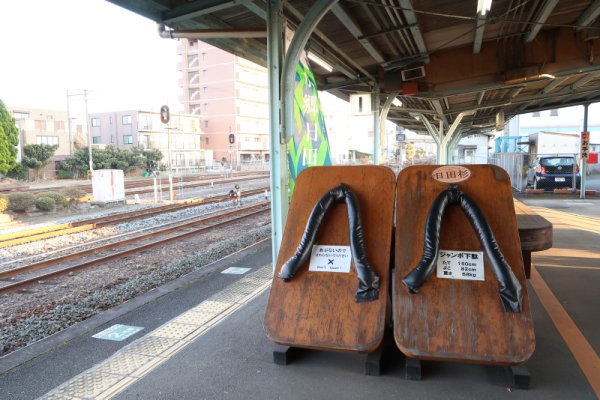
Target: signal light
x,y
164,114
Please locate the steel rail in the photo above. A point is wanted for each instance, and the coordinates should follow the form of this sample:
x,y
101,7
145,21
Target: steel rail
x,y
11,274
141,182
33,235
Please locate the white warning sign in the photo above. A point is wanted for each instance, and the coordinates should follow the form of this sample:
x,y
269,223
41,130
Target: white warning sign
x,y
330,259
466,265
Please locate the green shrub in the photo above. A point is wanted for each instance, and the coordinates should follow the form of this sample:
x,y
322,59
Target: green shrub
x,y
20,201
19,172
62,174
44,203
3,203
59,199
73,193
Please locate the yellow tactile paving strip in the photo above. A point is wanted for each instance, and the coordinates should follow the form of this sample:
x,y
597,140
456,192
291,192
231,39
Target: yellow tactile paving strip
x,y
108,378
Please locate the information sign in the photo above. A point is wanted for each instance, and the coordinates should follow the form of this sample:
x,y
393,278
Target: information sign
x,y
330,258
465,265
585,145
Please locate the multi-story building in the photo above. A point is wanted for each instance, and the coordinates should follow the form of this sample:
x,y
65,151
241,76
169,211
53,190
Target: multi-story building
x,y
230,95
38,126
180,140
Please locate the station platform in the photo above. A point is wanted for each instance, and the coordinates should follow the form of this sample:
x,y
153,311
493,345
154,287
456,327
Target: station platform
x,y
202,337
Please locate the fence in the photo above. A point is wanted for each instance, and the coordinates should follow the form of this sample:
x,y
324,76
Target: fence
x,y
516,165
541,171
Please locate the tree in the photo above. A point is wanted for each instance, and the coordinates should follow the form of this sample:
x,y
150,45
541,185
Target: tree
x,y
110,157
147,155
36,156
9,139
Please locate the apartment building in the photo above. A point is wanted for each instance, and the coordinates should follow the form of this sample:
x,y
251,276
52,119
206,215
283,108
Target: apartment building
x,y
180,141
230,95
40,126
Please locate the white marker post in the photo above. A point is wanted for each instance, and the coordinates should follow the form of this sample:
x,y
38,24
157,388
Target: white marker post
x,y
171,194
155,191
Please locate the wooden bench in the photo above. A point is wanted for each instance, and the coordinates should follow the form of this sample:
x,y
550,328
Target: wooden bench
x,y
535,233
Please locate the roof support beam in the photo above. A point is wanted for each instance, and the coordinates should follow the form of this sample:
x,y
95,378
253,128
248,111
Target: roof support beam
x,y
437,105
322,37
393,29
502,85
572,97
443,140
357,32
580,82
479,29
411,20
334,61
553,85
480,98
149,9
515,92
197,9
528,100
540,18
338,85
588,16
256,9
202,34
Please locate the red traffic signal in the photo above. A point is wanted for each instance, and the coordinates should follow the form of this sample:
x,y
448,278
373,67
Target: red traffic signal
x,y
164,114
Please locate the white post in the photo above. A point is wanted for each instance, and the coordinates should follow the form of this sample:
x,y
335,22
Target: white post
x,y
155,191
171,187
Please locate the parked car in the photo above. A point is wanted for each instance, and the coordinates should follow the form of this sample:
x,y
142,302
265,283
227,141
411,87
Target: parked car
x,y
553,172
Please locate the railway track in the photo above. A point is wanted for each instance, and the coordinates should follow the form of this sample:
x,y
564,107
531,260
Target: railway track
x,y
195,180
32,235
135,242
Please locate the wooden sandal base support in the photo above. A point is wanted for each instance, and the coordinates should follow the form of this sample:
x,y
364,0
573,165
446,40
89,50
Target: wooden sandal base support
x,y
318,309
457,319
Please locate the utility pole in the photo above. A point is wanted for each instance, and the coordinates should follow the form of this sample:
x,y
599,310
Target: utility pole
x,y
69,126
87,124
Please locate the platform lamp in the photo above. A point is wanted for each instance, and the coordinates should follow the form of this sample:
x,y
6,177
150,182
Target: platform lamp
x,y
483,7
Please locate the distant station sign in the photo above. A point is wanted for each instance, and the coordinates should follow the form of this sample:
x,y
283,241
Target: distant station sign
x,y
585,145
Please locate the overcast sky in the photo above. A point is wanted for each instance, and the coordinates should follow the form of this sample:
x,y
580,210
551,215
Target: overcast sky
x,y
49,47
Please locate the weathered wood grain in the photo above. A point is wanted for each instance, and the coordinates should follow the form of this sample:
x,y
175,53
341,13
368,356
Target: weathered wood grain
x,y
317,309
458,320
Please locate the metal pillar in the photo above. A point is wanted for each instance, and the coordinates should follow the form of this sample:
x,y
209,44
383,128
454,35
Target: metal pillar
x,y
383,116
452,146
376,124
277,145
279,172
442,140
583,160
452,131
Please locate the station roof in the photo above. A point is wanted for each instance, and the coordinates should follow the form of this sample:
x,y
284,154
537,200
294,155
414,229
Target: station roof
x,y
442,57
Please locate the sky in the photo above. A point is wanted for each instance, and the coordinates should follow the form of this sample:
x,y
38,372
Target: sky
x,y
51,47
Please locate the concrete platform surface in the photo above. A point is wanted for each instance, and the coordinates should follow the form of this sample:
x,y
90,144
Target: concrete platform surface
x,y
203,338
